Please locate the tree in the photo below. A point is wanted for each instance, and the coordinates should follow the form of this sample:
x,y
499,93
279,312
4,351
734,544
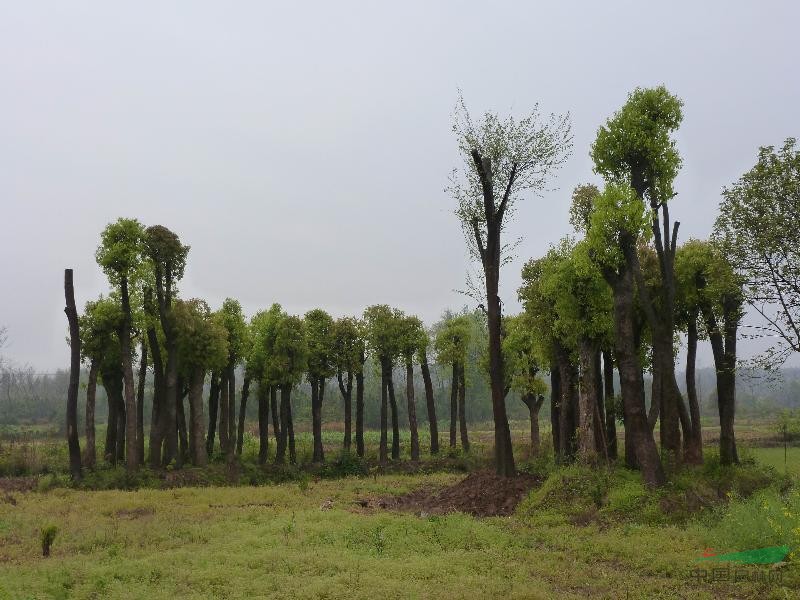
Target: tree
x,y
710,286
202,346
120,256
167,257
757,228
450,345
636,147
520,348
383,340
348,352
422,359
232,319
261,338
74,376
411,338
319,333
502,159
617,223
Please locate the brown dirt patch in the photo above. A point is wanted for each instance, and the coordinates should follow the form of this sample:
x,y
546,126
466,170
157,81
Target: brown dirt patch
x,y
134,513
17,484
482,494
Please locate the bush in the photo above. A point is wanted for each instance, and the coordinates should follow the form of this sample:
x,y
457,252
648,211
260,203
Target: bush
x,y
47,536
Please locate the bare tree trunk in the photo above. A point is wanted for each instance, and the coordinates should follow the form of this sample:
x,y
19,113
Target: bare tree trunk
x,y
431,405
232,412
290,428
693,437
383,449
224,411
347,395
242,409
610,405
112,379
534,404
723,345
159,387
568,422
587,440
74,377
395,418
183,434
90,454
412,410
316,421
454,407
276,414
555,409
197,451
263,423
213,410
140,401
120,449
280,454
360,414
132,446
462,409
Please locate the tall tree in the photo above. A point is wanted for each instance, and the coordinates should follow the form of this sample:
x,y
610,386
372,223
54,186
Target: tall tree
x,y
411,332
450,345
348,352
74,376
167,257
758,230
617,223
261,342
712,287
502,159
232,319
120,256
383,340
430,403
202,346
320,336
636,147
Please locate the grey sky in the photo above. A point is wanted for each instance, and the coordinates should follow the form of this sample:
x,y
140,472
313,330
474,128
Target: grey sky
x,y
302,149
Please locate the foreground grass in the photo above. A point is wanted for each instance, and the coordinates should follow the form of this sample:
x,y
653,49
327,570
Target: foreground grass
x,y
311,540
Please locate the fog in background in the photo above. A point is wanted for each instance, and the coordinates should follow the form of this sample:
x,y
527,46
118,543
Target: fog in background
x,y
302,150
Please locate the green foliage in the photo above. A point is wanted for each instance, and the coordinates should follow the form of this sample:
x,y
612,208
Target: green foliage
x,y
262,340
635,145
202,339
412,337
582,205
231,317
47,537
99,326
618,219
384,331
120,250
349,345
521,364
320,336
287,359
166,253
452,341
757,228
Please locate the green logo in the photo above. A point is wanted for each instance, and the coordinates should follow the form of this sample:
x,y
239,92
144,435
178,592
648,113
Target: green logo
x,y
760,556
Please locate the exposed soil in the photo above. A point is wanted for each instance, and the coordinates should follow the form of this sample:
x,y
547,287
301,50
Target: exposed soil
x,y
17,484
482,494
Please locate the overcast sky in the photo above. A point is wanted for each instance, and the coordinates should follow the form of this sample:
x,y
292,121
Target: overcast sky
x,y
302,149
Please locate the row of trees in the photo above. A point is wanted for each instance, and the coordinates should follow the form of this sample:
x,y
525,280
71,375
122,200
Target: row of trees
x,y
616,294
185,344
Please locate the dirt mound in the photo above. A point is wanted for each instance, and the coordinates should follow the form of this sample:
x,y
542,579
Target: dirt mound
x,y
482,494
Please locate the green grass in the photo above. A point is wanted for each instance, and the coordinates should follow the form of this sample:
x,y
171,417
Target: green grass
x,y
774,457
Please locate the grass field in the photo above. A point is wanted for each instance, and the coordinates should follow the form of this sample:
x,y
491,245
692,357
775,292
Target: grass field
x,y
583,533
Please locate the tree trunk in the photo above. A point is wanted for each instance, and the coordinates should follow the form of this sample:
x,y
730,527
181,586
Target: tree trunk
x,y
74,377
280,454
242,409
587,437
555,409
290,427
723,345
610,405
112,380
693,438
263,423
383,456
197,451
412,410
316,421
360,414
120,449
454,407
534,404
666,395
224,411
90,454
637,429
431,406
159,387
183,434
132,446
568,417
347,396
232,411
276,415
462,409
395,418
213,410
140,401
169,413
